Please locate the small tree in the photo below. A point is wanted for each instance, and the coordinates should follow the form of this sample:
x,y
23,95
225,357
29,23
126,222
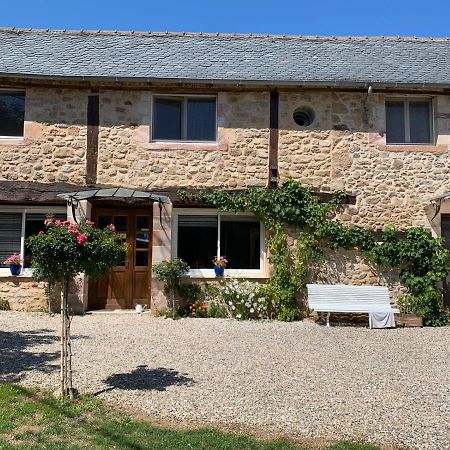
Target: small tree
x,y
170,273
59,254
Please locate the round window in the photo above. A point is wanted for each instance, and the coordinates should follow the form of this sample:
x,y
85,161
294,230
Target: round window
x,y
303,116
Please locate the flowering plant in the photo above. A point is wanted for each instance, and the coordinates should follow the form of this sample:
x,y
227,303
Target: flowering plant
x,y
197,309
13,260
246,300
65,249
220,261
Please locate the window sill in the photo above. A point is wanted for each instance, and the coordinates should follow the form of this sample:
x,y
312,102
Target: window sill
x,y
208,274
5,141
22,276
190,146
413,148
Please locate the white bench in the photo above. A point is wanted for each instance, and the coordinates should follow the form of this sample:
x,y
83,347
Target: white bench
x,y
342,298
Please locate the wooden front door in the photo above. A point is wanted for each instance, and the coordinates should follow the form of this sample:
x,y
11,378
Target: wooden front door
x,y
129,283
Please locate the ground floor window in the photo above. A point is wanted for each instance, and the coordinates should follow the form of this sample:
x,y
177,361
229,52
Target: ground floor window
x,y
16,225
200,235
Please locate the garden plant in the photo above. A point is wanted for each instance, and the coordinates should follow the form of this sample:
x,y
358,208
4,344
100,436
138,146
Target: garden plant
x,y
422,260
60,252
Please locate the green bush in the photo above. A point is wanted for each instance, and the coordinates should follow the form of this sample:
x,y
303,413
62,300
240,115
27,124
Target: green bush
x,y
66,249
170,272
217,311
422,260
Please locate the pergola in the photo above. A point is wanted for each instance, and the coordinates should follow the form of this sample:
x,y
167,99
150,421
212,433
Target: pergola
x,y
73,198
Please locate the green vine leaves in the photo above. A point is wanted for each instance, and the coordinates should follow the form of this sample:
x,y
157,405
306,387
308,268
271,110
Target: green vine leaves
x,y
422,260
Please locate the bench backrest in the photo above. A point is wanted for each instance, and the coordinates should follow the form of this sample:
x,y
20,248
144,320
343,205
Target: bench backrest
x,y
345,298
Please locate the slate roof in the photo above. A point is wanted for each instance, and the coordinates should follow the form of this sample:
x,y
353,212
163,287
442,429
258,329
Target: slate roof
x,y
225,58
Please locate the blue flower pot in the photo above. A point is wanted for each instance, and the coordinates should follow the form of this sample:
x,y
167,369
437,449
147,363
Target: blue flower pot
x,y
219,271
15,269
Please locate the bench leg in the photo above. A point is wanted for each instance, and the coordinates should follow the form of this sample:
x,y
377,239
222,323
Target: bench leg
x,y
328,319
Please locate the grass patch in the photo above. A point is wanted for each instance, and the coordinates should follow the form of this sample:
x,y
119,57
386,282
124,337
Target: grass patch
x,y
32,420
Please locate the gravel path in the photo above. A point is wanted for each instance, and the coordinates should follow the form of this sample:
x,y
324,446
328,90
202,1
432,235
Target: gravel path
x,y
388,387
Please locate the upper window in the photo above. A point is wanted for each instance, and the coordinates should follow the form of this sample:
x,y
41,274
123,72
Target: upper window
x,y
184,118
16,227
12,114
409,122
203,235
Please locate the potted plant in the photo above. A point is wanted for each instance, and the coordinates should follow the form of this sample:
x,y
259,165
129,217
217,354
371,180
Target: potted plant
x,y
408,316
219,265
15,264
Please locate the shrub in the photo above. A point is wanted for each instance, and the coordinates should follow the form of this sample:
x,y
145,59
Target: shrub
x,y
217,311
66,249
170,272
244,300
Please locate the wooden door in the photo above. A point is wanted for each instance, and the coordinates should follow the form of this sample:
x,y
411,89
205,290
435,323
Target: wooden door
x,y
129,283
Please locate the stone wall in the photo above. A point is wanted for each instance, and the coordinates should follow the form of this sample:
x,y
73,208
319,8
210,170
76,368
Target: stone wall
x,y
25,294
345,149
128,158
53,147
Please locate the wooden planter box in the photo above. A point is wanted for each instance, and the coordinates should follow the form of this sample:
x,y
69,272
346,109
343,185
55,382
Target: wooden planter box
x,y
408,320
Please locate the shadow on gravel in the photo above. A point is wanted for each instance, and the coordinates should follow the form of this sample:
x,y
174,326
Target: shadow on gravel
x,y
17,358
146,379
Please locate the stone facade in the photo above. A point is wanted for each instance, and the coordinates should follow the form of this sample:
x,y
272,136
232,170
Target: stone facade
x,y
128,157
54,144
343,149
24,294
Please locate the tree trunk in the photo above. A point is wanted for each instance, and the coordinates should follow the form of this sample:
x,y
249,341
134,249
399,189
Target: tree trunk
x,y
66,347
63,342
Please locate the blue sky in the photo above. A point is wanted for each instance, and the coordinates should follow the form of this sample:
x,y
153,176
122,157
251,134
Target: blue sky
x,y
312,17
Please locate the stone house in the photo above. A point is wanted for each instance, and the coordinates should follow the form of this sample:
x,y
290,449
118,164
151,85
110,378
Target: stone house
x,y
157,112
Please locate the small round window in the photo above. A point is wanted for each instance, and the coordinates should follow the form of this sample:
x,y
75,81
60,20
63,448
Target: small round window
x,y
303,116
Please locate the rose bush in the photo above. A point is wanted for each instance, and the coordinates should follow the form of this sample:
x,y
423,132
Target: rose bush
x,y
65,249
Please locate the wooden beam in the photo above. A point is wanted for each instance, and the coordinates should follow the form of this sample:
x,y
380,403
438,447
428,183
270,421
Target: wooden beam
x,y
93,121
273,139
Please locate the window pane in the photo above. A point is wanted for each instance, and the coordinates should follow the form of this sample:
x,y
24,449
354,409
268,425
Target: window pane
x,y
10,234
141,259
201,119
167,118
240,242
419,122
197,240
104,221
12,114
33,224
142,232
395,123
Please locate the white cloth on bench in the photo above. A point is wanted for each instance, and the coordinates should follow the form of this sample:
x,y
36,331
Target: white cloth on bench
x,y
381,319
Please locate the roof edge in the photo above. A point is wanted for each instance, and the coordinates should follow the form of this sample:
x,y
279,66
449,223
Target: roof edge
x,y
218,34
236,82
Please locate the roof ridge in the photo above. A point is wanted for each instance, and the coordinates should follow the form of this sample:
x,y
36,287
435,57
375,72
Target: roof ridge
x,y
227,35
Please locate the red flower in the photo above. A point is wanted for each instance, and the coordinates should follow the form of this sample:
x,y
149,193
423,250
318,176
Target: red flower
x,y
81,239
72,228
41,232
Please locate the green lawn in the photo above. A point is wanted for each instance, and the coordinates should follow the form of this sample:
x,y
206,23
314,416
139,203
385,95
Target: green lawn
x,y
31,420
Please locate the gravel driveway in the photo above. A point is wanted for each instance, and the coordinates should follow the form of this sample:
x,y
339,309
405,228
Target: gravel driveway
x,y
383,386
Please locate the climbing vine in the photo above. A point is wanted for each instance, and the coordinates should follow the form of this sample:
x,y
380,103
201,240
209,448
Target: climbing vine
x,y
423,260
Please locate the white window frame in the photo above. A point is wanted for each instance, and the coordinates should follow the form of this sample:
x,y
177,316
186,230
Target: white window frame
x,y
406,101
209,273
4,271
184,98
21,92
